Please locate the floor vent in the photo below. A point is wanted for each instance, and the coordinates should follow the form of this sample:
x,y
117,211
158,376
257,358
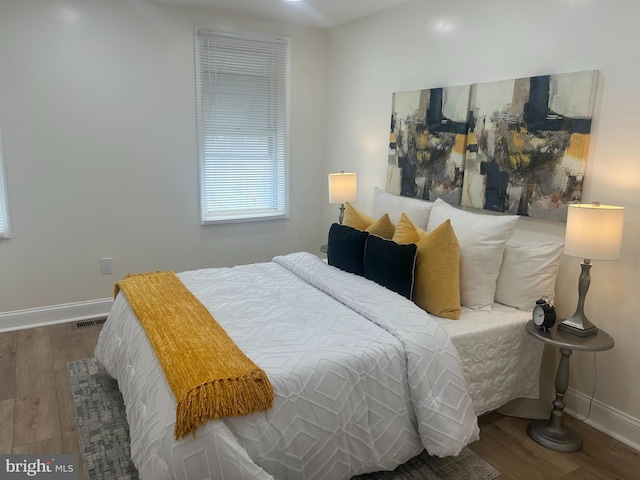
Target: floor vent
x,y
87,323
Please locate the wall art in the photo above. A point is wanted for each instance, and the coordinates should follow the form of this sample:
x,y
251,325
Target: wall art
x,y
427,143
515,146
528,143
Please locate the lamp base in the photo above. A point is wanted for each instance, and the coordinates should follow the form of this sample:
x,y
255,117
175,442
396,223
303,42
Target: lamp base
x,y
579,330
578,324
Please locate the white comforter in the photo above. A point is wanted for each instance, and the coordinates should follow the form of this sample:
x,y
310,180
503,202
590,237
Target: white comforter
x,y
363,379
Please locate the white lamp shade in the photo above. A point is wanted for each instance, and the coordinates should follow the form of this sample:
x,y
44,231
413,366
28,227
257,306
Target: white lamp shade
x,y
594,231
342,187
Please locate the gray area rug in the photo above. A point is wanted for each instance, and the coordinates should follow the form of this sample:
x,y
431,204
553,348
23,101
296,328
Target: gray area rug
x,y
103,434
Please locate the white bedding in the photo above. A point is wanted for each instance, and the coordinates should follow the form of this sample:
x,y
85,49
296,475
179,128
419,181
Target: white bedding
x,y
363,378
501,361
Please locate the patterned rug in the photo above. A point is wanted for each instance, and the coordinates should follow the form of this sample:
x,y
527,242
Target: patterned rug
x,y
103,434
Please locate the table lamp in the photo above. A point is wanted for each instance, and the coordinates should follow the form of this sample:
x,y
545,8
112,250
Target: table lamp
x,y
342,189
594,232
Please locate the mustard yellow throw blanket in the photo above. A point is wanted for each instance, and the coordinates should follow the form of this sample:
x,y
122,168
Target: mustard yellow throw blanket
x,y
207,372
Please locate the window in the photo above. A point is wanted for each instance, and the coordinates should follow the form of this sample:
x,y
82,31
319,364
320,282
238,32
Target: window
x,y
4,214
242,96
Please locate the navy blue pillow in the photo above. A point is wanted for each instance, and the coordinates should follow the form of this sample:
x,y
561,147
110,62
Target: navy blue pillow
x,y
345,249
390,264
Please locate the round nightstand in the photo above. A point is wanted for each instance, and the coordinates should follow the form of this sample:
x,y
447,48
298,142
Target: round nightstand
x,y
553,433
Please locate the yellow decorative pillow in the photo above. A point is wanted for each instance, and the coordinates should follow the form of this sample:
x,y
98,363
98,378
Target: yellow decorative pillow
x,y
383,227
437,274
406,231
355,218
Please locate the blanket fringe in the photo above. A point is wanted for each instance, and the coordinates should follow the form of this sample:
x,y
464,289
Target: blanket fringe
x,y
221,398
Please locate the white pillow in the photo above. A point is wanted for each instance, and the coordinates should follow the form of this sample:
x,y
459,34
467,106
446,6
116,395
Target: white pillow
x,y
528,272
482,239
417,210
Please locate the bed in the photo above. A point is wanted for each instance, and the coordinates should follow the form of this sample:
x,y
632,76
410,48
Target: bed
x,y
364,378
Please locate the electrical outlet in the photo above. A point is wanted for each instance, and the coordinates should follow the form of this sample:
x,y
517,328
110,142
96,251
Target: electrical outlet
x,y
106,266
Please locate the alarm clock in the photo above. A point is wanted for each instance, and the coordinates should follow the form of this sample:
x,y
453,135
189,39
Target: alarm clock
x,y
544,314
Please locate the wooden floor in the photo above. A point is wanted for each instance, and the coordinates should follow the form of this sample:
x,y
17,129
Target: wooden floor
x,y
35,405
36,415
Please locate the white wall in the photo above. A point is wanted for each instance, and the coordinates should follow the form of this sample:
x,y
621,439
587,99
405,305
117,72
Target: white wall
x,y
432,44
97,107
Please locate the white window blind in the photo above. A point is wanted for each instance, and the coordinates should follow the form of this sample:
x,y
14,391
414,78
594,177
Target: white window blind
x,y
242,90
4,211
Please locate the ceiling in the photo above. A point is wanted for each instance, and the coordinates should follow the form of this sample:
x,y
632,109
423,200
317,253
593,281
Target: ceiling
x,y
315,13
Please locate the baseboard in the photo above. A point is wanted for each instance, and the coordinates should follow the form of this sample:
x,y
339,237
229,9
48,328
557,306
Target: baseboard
x,y
68,312
614,423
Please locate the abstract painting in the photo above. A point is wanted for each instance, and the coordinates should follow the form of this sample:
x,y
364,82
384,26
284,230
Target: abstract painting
x,y
427,143
527,144
515,146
